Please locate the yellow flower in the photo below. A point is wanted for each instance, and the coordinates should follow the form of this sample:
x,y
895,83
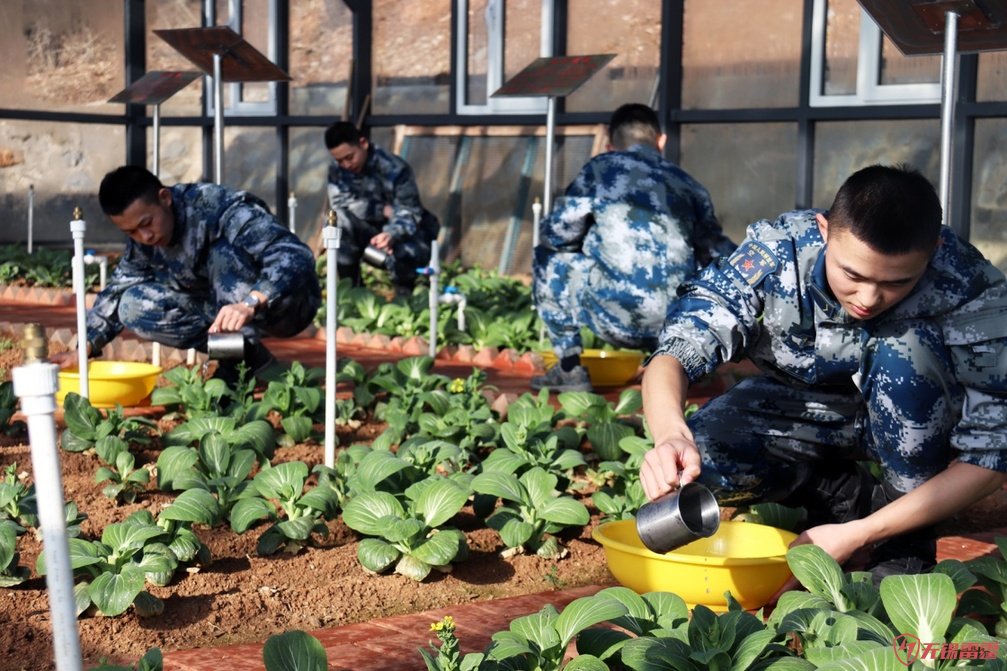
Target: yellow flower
x,y
448,623
457,386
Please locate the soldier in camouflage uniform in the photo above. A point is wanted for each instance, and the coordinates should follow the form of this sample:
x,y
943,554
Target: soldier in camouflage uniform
x,y
631,227
880,335
201,259
374,196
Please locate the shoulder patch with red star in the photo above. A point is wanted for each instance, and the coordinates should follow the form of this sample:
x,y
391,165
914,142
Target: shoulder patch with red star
x,y
754,261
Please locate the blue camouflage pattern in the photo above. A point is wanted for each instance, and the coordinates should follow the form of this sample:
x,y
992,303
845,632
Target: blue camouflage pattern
x,y
630,228
921,384
225,244
358,200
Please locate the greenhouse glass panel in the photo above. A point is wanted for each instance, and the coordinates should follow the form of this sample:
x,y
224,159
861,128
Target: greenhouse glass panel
x,y
633,33
747,168
61,56
56,167
989,200
843,147
741,54
321,56
411,57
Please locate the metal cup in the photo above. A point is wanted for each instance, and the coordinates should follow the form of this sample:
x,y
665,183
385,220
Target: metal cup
x,y
375,257
678,518
225,345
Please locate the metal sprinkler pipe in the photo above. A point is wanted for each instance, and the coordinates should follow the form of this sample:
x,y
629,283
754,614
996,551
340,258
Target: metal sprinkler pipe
x,y
330,237
77,229
536,210
292,212
36,382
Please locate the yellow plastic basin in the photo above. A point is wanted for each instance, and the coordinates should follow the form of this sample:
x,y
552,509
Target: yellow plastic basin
x,y
746,559
110,382
607,368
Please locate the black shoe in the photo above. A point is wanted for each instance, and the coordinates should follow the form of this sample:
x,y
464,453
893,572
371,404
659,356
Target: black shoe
x,y
557,379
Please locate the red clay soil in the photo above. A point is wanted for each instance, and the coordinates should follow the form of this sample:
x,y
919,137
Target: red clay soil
x,y
244,598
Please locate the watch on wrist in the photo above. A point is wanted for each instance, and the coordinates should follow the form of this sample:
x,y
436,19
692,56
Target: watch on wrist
x,y
252,301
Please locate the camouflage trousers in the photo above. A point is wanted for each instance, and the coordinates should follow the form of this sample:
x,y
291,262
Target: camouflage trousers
x,y
761,439
566,301
407,255
163,312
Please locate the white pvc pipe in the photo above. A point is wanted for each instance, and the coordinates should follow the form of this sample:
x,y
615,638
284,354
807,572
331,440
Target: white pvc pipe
x,y
949,75
218,120
31,215
456,298
155,350
330,237
102,261
435,270
36,383
536,211
292,212
77,230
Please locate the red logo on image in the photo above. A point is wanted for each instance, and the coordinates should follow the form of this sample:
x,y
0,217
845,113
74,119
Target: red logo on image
x,y
907,648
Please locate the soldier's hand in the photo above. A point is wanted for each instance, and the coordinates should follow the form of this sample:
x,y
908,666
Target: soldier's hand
x,y
382,241
672,463
231,318
65,359
840,541
389,212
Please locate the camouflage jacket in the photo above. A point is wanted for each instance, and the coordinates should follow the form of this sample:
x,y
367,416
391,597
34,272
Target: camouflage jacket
x,y
204,214
769,301
386,179
645,223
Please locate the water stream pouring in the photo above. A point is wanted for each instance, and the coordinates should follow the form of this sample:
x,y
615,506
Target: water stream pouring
x,y
678,518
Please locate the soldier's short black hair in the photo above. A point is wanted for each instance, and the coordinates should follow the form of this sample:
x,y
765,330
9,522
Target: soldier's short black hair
x,y
123,186
342,132
633,123
894,209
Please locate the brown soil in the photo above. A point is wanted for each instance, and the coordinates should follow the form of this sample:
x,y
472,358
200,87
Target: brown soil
x,y
242,597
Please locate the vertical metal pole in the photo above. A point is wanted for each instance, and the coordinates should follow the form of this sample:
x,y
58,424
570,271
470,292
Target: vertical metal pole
x,y
550,140
157,141
35,383
218,121
77,229
949,76
330,235
31,215
435,295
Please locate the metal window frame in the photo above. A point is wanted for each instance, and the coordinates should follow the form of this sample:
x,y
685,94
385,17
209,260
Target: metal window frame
x,y
235,104
495,62
869,90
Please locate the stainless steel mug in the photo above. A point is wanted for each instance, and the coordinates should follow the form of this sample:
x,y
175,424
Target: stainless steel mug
x,y
678,518
225,345
376,257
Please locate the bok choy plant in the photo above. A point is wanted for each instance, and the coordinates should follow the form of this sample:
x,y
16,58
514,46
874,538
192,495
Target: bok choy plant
x,y
532,510
409,534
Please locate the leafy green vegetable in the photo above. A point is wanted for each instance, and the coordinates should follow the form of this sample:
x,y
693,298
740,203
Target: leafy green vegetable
x,y
409,534
532,510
